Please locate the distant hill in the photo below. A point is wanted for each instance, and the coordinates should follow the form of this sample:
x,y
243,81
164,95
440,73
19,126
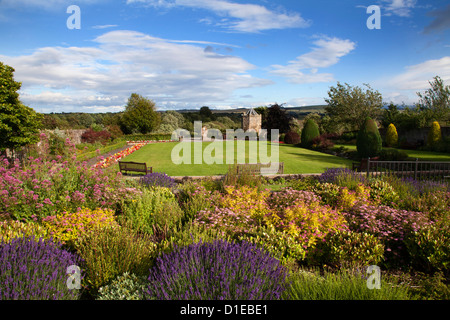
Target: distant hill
x,y
305,109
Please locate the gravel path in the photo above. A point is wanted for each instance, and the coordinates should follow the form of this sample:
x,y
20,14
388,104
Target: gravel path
x,y
94,160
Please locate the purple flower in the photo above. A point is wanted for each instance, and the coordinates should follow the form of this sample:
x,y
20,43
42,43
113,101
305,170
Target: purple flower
x,y
35,269
157,179
217,270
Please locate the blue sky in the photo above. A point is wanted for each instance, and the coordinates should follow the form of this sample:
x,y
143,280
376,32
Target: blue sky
x,y
219,53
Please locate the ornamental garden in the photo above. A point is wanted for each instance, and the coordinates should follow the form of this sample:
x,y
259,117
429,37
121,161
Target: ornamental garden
x,y
240,237
72,227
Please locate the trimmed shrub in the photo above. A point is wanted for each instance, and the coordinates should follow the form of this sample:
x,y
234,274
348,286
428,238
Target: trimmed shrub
x,y
391,136
217,271
110,252
127,286
369,143
35,269
434,135
309,132
291,137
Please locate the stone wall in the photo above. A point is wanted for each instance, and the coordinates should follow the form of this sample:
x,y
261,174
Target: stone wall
x,y
74,135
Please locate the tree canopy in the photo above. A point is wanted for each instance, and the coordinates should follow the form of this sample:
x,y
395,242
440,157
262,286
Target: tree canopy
x,y
19,124
434,103
140,115
276,118
349,106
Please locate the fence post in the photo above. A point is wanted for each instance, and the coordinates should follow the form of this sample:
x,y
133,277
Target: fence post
x,y
368,166
415,169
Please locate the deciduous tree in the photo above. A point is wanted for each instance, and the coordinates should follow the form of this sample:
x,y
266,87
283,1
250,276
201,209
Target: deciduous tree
x,y
19,124
140,115
435,102
349,106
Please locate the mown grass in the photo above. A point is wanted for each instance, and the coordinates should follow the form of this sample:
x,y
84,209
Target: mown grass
x,y
296,160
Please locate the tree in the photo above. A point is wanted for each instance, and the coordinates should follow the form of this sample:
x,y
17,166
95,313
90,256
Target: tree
x,y
277,118
349,106
19,124
140,115
368,142
391,136
391,115
309,133
206,114
435,102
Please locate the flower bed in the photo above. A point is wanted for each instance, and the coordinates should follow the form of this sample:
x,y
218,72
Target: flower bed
x,y
149,141
168,238
119,155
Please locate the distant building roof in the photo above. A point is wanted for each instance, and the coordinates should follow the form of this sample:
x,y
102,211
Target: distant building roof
x,y
252,112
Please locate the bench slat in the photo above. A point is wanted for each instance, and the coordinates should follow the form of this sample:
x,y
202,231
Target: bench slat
x,y
134,167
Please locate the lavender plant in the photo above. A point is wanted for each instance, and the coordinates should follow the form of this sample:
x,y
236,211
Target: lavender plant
x,y
32,269
343,177
157,179
216,271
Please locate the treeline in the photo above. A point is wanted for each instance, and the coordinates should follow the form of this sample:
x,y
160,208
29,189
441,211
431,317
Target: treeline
x,y
170,121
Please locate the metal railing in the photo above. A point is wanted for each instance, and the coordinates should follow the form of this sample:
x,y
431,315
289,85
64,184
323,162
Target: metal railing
x,y
418,170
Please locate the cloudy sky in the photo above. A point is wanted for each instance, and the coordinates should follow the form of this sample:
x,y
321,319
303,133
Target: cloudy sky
x,y
219,53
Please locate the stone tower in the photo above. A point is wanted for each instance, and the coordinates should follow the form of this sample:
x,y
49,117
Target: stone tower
x,y
251,120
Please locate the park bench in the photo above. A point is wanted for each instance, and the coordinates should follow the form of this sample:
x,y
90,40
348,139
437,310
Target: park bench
x,y
255,168
134,167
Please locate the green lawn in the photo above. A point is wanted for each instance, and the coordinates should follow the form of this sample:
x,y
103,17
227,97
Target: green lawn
x,y
296,160
421,155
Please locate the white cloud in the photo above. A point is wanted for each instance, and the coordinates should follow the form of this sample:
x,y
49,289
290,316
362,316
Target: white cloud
x,y
416,77
244,17
327,53
105,26
400,8
122,62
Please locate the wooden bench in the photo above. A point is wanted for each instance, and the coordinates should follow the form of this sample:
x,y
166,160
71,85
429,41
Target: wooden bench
x,y
255,168
134,167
